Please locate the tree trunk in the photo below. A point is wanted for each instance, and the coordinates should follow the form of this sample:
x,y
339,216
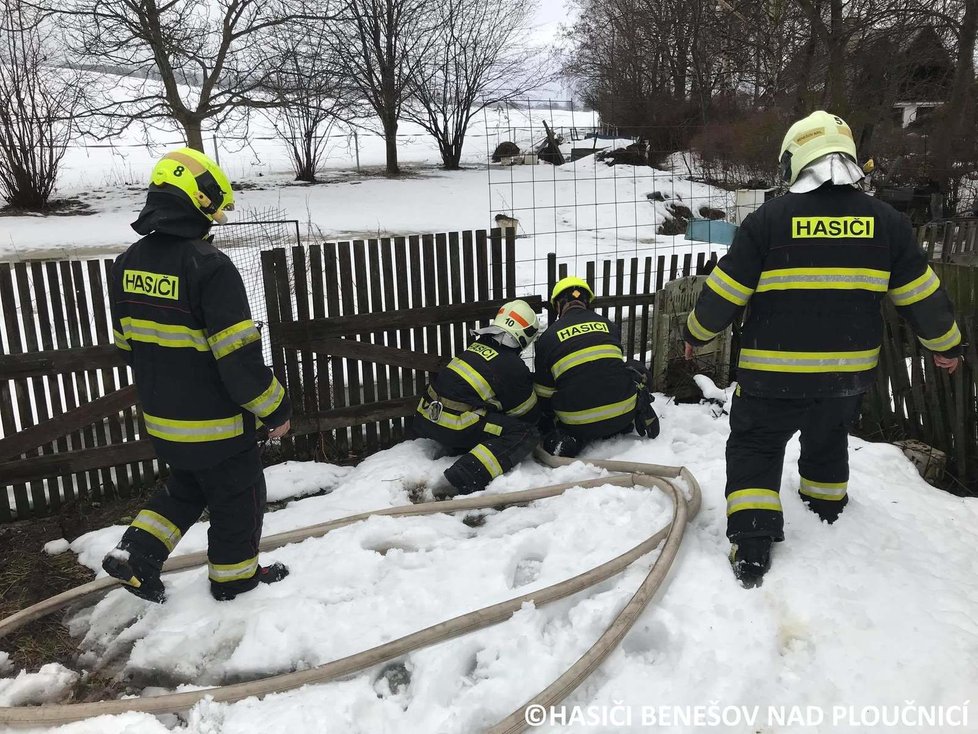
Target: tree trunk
x,y
194,133
836,82
390,141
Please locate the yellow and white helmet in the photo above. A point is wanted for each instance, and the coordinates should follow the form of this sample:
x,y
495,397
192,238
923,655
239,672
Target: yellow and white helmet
x,y
516,320
809,139
192,175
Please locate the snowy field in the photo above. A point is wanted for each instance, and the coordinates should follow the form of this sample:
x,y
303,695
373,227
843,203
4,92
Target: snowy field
x,y
584,210
866,620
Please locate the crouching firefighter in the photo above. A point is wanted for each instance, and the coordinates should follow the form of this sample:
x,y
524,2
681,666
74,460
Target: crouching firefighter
x,y
586,388
181,319
483,403
811,268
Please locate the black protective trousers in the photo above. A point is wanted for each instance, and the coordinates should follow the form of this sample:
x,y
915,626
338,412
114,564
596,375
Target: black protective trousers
x,y
494,442
759,430
234,493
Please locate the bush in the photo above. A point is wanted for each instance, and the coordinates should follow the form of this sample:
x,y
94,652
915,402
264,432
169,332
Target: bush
x,y
743,150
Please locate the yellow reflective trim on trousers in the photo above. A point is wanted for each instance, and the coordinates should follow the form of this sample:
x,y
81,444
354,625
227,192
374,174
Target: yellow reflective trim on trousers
x,y
951,338
450,420
594,415
159,527
543,391
120,341
583,356
835,491
753,499
180,431
163,335
233,338
488,460
865,279
726,287
916,290
492,429
267,403
223,573
808,362
697,329
475,380
525,407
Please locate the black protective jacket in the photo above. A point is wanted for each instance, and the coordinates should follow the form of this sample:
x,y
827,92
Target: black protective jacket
x,y
581,378
486,377
812,270
180,315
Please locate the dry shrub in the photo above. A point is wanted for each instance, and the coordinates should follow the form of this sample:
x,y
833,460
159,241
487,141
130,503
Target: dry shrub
x,y
741,151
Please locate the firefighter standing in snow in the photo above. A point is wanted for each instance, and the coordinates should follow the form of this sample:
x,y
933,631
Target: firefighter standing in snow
x,y
483,403
587,391
812,268
181,318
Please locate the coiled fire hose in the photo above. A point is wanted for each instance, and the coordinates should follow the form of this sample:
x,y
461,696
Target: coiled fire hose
x,y
629,474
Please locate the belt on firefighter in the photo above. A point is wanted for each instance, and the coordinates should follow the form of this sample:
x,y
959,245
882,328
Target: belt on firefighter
x,y
453,405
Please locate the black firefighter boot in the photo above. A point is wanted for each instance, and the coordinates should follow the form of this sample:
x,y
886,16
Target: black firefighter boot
x,y
750,559
139,574
270,574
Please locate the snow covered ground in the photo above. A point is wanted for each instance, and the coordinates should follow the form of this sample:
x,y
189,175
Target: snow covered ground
x,y
876,613
582,211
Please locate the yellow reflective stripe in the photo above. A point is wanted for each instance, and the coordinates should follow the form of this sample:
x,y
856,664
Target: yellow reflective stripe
x,y
835,491
450,420
697,329
163,335
824,278
583,356
159,527
222,573
916,290
525,407
543,391
947,340
493,429
725,286
594,415
488,460
775,361
267,403
753,499
233,338
120,341
182,431
475,380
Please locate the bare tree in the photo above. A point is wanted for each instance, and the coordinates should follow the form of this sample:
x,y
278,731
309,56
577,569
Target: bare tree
x,y
40,102
385,43
481,56
180,60
306,74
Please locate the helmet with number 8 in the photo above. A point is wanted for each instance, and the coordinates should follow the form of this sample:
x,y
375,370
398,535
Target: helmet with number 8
x,y
519,320
193,176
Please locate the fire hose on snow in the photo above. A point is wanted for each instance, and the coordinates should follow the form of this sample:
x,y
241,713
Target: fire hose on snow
x,y
629,474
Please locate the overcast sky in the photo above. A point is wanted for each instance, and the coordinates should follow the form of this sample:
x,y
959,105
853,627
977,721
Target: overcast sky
x,y
550,13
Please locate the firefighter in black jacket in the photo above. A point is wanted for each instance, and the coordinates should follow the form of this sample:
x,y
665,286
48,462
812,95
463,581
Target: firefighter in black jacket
x,y
181,318
483,403
586,388
811,268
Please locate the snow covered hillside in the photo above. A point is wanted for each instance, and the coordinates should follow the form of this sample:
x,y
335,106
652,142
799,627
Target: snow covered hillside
x,y
877,612
583,210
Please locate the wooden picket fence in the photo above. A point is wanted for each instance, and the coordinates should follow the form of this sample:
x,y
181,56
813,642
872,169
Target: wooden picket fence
x,y
355,330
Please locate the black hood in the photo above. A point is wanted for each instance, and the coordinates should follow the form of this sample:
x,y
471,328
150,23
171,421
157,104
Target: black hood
x,y
173,215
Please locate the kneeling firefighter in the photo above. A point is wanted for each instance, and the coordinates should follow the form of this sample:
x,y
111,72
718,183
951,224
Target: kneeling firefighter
x,y
181,320
586,388
483,403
